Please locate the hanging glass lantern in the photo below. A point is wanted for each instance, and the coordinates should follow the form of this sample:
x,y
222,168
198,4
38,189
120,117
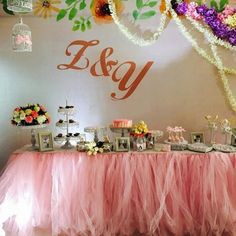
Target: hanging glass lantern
x,y
20,5
21,37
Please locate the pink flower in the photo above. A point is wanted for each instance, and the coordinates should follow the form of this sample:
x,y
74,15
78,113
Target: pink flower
x,y
34,114
228,11
28,119
192,12
42,108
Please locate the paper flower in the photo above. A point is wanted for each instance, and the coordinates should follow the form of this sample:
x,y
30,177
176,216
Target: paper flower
x,y
231,21
45,8
32,114
92,149
140,128
101,12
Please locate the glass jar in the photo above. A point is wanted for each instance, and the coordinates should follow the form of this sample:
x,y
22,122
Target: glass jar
x,y
139,143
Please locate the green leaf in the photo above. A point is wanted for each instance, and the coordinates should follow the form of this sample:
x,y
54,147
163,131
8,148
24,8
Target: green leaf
x,y
4,2
139,4
89,24
223,3
82,18
147,15
61,14
82,5
152,4
69,2
91,4
76,27
7,11
214,4
83,27
135,14
77,22
73,13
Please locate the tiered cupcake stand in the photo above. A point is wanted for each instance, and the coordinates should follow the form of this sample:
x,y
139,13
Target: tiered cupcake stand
x,y
67,124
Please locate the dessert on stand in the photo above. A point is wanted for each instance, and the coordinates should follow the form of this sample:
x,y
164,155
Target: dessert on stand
x,y
121,126
176,139
67,124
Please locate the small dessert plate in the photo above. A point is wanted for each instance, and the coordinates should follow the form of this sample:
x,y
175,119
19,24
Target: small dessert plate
x,y
224,148
199,147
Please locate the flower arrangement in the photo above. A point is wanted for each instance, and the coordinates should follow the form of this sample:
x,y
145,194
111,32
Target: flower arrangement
x,y
226,126
93,148
212,122
31,114
139,129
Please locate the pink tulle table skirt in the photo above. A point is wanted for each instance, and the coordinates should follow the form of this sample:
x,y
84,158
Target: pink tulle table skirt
x,y
70,193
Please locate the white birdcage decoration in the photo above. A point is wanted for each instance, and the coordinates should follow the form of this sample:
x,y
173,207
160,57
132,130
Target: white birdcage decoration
x,y
21,37
20,5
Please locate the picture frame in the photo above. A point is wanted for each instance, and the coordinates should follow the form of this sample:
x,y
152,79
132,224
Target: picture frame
x,y
233,137
122,144
45,141
197,137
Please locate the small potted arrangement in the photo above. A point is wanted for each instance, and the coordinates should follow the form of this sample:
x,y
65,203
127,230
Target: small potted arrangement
x,y
138,133
31,116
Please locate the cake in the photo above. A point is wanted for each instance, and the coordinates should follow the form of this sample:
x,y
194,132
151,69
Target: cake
x,y
122,123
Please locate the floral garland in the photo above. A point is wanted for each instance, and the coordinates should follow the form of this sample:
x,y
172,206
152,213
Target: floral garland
x,y
217,61
193,14
133,37
230,97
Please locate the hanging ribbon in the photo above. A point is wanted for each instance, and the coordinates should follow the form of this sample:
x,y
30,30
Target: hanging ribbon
x,y
23,39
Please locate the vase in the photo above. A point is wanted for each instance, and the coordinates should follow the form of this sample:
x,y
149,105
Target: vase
x,y
139,143
213,136
33,133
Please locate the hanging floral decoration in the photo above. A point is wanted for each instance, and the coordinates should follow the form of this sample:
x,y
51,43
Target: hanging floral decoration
x,y
216,23
45,8
216,26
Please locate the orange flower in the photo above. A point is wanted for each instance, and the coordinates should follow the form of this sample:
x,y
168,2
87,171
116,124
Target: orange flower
x,y
162,8
29,119
101,12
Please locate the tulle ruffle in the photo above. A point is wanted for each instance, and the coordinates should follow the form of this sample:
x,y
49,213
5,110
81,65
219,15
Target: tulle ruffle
x,y
72,194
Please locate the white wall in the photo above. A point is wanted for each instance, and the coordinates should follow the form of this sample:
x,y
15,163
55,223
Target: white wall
x,y
180,88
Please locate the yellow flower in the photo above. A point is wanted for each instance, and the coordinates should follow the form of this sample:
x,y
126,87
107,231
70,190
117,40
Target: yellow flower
x,y
231,21
28,112
44,8
36,108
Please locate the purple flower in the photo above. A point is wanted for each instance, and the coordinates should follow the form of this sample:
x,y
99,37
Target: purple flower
x,y
182,8
222,31
232,37
201,9
210,13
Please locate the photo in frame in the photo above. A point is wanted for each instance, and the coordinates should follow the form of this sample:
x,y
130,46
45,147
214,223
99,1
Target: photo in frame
x,y
122,144
197,137
233,137
45,141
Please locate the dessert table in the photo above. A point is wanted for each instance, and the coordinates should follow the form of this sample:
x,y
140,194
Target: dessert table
x,y
132,193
